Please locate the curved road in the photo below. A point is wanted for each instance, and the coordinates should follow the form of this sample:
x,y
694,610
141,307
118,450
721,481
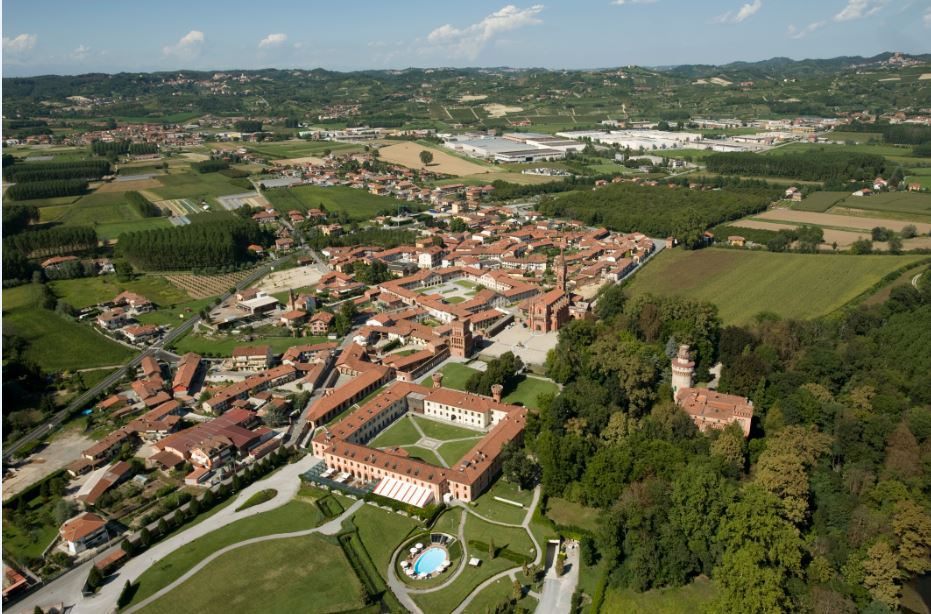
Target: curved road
x,y
67,588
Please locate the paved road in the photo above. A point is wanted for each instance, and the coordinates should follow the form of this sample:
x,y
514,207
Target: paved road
x,y
67,589
557,590
44,429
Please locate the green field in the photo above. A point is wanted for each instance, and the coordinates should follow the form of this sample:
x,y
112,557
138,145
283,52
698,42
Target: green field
x,y
901,203
299,148
901,155
292,516
223,345
197,186
488,507
48,334
497,593
570,514
743,284
453,451
87,291
820,201
683,600
921,176
358,204
441,430
401,433
455,376
279,576
381,532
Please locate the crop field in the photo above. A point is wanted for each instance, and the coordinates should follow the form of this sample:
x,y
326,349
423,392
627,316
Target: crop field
x,y
47,333
197,187
743,284
900,204
358,204
205,286
125,186
408,154
839,222
899,154
820,201
299,148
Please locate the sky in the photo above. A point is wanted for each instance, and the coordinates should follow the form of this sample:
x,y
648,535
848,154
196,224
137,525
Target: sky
x,y
73,37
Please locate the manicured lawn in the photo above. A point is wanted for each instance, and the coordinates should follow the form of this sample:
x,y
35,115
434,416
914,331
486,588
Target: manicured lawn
x,y
223,345
358,204
743,284
292,516
455,375
496,594
260,497
455,450
441,430
401,433
529,390
48,334
278,576
381,532
181,312
424,454
465,283
683,600
568,513
87,291
487,506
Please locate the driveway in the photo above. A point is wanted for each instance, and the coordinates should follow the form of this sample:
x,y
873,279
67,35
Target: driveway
x,y
557,590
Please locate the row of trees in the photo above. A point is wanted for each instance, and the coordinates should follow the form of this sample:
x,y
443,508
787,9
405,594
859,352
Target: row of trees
x,y
51,242
118,148
683,214
824,509
210,166
17,217
211,243
248,125
145,207
47,171
383,237
901,134
47,189
819,165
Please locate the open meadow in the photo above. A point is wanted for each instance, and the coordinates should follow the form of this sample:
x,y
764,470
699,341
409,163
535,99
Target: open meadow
x,y
408,154
358,204
743,284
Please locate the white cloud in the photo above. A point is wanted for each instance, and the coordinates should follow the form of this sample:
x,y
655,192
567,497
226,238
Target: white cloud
x,y
469,41
926,18
189,47
273,40
81,52
629,2
809,29
20,43
744,12
856,9
794,32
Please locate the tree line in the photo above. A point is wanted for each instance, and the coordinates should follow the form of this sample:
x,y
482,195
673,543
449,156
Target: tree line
x,y
825,508
46,171
145,207
119,148
47,189
17,217
383,237
210,166
900,134
659,212
818,165
213,243
54,241
248,125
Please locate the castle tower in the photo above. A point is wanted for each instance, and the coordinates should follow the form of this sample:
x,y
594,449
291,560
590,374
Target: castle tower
x,y
496,390
682,370
437,380
460,339
561,270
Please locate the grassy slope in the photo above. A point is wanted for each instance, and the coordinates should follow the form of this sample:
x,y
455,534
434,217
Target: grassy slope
x,y
743,284
87,291
683,600
48,334
279,576
293,516
224,346
381,532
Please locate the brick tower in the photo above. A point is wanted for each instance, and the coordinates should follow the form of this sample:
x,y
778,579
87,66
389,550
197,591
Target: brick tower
x,y
460,339
682,370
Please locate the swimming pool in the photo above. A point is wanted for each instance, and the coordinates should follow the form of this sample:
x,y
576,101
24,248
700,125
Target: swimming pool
x,y
430,560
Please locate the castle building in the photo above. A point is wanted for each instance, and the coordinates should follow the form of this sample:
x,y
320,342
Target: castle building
x,y
683,368
713,410
548,312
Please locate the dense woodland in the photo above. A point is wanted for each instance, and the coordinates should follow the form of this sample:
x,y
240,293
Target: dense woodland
x,y
658,212
55,241
834,166
44,171
215,243
824,509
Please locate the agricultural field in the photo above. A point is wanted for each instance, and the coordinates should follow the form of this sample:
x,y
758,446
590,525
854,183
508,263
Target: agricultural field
x,y
109,213
921,176
743,284
408,154
894,153
820,202
840,222
222,345
299,148
205,286
197,186
47,333
358,204
87,291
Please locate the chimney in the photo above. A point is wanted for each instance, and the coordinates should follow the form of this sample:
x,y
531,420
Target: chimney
x,y
496,391
328,392
437,379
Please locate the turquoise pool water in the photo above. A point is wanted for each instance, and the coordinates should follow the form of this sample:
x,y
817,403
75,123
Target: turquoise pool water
x,y
430,560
